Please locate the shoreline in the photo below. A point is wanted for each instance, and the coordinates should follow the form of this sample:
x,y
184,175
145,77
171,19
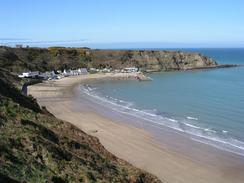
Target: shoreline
x,y
219,66
125,112
162,133
135,145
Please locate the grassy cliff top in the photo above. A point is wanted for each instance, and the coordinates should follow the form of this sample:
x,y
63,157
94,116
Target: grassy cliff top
x,y
59,58
37,147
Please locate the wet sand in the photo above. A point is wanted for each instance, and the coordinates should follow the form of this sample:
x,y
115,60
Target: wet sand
x,y
136,145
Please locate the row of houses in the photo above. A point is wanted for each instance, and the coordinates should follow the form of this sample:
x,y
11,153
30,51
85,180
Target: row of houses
x,y
107,70
53,75
76,72
130,70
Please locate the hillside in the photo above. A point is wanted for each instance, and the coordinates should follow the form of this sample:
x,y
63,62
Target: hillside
x,y
55,58
37,147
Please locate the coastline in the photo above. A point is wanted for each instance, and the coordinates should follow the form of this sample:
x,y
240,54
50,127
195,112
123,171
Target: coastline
x,y
132,144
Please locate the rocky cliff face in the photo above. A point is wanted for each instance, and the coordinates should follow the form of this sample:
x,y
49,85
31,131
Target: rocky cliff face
x,y
23,59
152,60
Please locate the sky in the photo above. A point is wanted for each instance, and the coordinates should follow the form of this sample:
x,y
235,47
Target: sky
x,y
123,23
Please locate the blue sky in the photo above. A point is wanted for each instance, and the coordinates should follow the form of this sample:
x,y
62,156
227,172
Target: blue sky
x,y
123,23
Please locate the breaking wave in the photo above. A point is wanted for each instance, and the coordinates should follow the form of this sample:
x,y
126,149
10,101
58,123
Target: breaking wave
x,y
188,125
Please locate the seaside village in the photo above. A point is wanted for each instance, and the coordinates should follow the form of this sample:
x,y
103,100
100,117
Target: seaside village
x,y
55,75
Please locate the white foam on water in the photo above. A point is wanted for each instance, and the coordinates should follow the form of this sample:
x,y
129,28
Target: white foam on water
x,y
220,139
192,126
209,130
173,120
192,118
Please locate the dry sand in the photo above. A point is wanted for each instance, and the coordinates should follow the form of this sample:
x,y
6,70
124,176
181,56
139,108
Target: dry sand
x,y
129,143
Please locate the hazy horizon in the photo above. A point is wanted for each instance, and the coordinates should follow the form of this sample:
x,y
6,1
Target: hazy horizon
x,y
123,24
138,45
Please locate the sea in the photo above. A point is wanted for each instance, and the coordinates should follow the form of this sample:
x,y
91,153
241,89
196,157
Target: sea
x,y
206,105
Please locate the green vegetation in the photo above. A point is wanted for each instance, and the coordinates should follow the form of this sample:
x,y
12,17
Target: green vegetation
x,y
37,147
25,59
59,58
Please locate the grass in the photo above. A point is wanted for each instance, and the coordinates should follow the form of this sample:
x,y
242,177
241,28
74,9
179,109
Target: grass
x,y
37,147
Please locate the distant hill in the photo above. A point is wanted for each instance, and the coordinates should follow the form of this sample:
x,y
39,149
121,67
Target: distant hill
x,y
55,58
37,147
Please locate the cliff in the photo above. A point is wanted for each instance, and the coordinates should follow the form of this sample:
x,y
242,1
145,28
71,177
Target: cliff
x,y
24,59
37,147
152,60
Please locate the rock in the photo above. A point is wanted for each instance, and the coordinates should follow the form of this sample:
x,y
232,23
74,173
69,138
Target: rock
x,y
42,59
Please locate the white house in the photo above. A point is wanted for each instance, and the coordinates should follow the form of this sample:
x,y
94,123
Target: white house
x,y
34,74
24,75
83,71
130,69
29,74
106,70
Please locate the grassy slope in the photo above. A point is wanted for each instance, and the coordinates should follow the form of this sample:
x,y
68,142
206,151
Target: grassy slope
x,y
37,147
18,60
24,59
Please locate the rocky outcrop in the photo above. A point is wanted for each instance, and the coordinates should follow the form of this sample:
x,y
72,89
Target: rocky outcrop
x,y
23,59
152,60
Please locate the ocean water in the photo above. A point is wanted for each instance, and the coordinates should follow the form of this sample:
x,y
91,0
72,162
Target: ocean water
x,y
207,105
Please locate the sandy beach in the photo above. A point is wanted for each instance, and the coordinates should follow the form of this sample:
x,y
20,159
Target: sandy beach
x,y
135,145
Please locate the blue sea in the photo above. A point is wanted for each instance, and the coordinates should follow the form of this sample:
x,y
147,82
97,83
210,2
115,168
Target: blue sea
x,y
207,105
